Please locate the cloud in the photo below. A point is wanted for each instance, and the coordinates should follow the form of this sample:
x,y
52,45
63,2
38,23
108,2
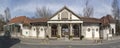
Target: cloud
x,y
26,8
3,5
101,8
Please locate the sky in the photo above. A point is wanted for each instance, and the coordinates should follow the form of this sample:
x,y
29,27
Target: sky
x,y
28,7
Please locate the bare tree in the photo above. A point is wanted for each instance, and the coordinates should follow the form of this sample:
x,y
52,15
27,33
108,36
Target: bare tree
x,y
43,12
2,17
7,14
1,22
115,11
116,14
88,11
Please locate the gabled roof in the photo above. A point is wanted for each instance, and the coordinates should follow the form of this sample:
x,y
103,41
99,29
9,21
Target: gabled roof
x,y
84,19
20,19
62,10
106,20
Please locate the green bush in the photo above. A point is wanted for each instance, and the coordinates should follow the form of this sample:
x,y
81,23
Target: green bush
x,y
47,36
58,36
71,36
81,37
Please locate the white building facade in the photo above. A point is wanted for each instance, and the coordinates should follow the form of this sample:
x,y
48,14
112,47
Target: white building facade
x,y
66,24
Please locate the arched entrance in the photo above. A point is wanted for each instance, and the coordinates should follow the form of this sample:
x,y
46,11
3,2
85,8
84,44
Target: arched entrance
x,y
54,30
76,32
112,31
65,30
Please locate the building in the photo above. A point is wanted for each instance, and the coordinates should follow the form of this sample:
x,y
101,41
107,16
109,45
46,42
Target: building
x,y
65,24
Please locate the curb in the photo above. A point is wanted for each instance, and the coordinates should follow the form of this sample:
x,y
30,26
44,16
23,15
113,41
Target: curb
x,y
57,44
111,42
70,43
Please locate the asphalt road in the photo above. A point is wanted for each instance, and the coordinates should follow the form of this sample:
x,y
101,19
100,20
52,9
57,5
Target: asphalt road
x,y
6,42
111,45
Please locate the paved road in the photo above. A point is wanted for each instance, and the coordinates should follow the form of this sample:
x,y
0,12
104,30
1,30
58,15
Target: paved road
x,y
110,45
6,42
15,43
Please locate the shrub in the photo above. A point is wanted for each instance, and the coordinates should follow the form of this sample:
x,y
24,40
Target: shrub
x,y
81,37
47,36
71,36
58,36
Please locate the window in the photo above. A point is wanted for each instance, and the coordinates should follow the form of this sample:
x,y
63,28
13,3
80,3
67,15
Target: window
x,y
26,32
34,29
97,29
64,15
88,29
41,29
113,31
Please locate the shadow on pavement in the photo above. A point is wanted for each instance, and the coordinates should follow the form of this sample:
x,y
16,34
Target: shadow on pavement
x,y
6,41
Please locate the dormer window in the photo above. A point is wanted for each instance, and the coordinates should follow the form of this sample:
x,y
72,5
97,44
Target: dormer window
x,y
64,15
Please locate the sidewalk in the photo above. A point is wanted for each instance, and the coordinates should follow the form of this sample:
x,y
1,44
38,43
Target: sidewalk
x,y
66,42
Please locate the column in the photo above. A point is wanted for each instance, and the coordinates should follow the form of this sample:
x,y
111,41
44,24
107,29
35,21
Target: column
x,y
71,29
49,30
81,29
59,29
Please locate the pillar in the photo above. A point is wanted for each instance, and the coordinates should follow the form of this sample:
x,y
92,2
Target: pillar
x,y
49,30
80,31
59,29
71,29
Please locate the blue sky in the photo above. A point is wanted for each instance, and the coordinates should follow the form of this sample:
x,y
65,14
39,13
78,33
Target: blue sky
x,y
28,7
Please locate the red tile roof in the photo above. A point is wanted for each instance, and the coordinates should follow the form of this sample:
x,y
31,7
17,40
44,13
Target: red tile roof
x,y
106,20
20,19
39,20
90,20
84,19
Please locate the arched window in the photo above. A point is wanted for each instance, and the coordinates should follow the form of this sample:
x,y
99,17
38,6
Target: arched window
x,y
64,15
88,29
97,29
112,31
41,29
34,29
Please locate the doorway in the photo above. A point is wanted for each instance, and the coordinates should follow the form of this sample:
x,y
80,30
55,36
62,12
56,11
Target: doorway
x,y
54,30
65,30
76,30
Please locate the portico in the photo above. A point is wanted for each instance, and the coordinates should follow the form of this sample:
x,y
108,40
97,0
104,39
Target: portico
x,y
60,29
64,23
